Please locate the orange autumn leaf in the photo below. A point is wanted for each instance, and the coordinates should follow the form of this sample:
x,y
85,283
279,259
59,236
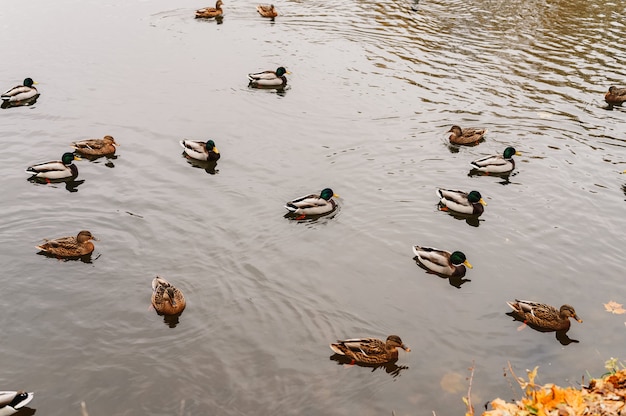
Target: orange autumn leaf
x,y
614,307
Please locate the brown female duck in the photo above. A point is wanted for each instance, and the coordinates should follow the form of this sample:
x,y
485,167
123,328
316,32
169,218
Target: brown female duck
x,y
615,96
267,10
166,299
69,246
370,350
544,316
96,147
209,12
466,136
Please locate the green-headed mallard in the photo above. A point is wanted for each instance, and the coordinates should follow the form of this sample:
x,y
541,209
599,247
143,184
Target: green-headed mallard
x,y
12,401
69,246
96,147
370,350
442,262
267,10
209,12
313,204
466,136
20,94
166,299
56,169
462,202
269,79
200,150
615,96
497,163
544,316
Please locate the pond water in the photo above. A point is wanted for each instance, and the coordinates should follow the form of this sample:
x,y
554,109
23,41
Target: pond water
x,y
372,91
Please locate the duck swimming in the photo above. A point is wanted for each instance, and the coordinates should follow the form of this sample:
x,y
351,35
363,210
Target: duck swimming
x,y
96,147
166,299
69,246
269,79
12,401
200,150
615,96
442,262
544,316
267,10
370,350
313,204
20,95
57,169
209,12
466,136
503,163
462,202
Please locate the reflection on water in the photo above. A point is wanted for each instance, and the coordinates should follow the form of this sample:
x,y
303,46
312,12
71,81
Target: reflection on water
x,y
390,368
71,185
472,220
456,281
28,102
209,167
560,336
85,259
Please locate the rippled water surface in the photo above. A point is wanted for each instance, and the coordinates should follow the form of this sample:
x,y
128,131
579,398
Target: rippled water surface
x,y
373,89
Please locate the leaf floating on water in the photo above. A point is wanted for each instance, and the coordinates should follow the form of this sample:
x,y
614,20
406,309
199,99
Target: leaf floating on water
x,y
452,382
614,307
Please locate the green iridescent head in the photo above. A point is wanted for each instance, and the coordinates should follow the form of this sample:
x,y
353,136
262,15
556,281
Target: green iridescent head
x,y
509,152
68,157
458,258
326,193
280,71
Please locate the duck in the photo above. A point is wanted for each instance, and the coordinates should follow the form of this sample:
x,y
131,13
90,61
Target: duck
x,y
462,202
209,12
267,10
20,93
12,401
56,169
466,136
96,147
615,96
269,79
69,246
200,150
544,316
370,350
313,204
166,299
503,163
442,262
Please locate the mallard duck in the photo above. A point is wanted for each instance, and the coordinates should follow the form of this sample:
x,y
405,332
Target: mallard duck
x,y
20,93
370,350
497,163
442,262
96,147
313,204
267,10
12,401
166,299
56,169
69,246
208,12
269,79
466,136
544,316
615,96
200,150
462,202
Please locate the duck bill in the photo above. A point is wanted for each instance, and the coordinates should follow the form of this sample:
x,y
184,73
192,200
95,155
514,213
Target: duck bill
x,y
578,319
336,196
467,263
405,348
214,150
482,202
77,158
518,154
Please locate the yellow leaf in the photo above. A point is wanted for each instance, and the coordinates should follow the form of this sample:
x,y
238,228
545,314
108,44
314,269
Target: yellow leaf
x,y
614,307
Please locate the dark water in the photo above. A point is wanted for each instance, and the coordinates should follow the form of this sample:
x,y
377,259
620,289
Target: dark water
x,y
373,89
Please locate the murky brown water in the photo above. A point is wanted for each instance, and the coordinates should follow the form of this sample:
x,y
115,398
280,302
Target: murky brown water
x,y
373,89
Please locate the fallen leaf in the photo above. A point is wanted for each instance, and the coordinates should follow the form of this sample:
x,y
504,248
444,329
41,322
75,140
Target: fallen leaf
x,y
614,307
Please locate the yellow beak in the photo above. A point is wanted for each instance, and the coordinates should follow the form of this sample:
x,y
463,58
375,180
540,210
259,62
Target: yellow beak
x,y
467,263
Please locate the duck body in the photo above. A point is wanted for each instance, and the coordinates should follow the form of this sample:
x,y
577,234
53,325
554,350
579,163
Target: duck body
x,y
462,202
442,262
201,150
12,401
267,10
268,79
96,147
467,136
24,93
615,96
503,163
313,204
57,169
167,299
544,316
370,350
209,12
69,246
